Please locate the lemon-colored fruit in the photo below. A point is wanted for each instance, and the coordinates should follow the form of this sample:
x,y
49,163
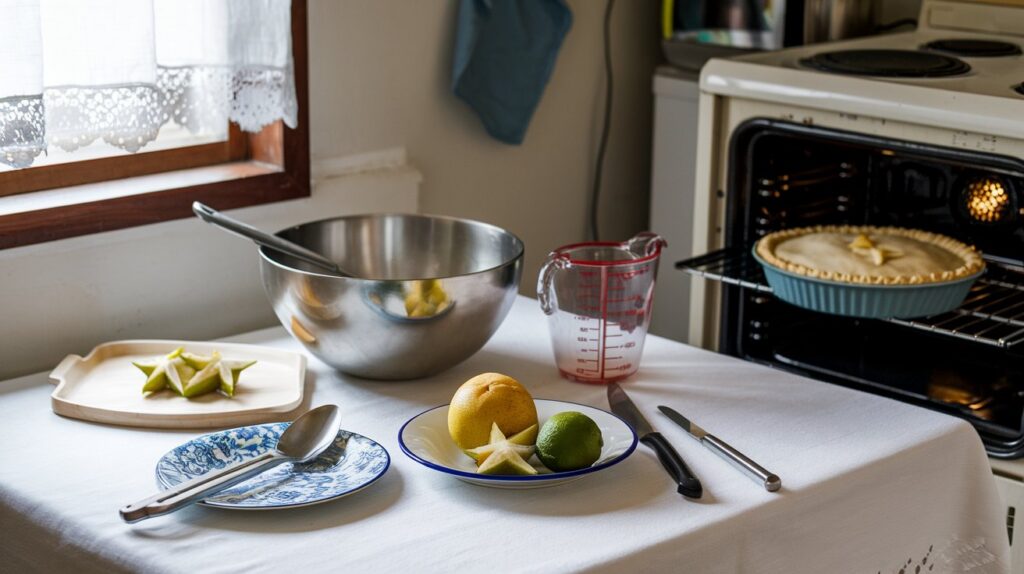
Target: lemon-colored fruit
x,y
522,442
486,399
569,441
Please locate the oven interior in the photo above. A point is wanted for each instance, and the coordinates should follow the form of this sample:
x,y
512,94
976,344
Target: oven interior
x,y
969,362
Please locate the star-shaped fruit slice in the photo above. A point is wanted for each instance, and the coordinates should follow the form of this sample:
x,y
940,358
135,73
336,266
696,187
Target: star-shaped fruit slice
x,y
862,242
506,455
426,299
156,370
179,373
215,372
506,460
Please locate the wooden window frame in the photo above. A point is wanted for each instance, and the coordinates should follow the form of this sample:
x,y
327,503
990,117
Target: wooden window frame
x,y
278,156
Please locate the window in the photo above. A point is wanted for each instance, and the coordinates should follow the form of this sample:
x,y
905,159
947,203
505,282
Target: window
x,y
187,154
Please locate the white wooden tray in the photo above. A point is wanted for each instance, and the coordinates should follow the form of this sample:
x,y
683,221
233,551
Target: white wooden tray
x,y
105,387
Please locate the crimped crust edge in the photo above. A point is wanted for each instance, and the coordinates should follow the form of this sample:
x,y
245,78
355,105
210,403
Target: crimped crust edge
x,y
973,263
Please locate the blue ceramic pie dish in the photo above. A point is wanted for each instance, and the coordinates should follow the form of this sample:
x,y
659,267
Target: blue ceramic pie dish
x,y
866,301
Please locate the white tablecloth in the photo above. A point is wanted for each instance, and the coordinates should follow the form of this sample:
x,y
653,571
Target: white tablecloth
x,y
869,484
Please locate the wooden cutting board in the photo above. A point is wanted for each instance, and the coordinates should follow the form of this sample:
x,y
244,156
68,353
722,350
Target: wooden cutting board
x,y
105,387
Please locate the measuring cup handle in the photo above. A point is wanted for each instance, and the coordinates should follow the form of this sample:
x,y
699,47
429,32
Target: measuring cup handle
x,y
646,243
554,263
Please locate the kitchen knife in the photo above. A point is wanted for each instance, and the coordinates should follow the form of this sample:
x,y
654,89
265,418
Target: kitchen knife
x,y
689,485
718,446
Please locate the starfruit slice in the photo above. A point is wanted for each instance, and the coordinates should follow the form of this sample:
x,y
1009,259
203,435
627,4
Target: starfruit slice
x,y
216,373
156,370
426,299
506,460
862,241
522,443
197,361
179,374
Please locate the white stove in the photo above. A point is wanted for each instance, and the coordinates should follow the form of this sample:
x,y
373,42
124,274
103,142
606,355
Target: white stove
x,y
978,108
937,117
983,98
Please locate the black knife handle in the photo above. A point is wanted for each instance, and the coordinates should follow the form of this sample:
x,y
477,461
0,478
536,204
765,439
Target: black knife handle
x,y
689,485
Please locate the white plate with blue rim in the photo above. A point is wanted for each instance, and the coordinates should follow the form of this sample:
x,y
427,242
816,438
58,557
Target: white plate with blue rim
x,y
425,439
352,463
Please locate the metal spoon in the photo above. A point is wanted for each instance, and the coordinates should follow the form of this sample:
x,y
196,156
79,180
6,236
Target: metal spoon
x,y
302,441
210,215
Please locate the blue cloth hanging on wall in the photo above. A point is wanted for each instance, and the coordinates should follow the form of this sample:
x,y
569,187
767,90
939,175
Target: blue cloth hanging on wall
x,y
505,51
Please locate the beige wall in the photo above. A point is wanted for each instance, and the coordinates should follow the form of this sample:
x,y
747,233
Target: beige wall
x,y
380,75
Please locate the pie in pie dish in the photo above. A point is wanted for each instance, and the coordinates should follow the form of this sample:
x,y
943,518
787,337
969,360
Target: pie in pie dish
x,y
869,255
866,271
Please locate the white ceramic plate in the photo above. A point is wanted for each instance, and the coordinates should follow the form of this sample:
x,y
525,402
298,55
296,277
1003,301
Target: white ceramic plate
x,y
425,439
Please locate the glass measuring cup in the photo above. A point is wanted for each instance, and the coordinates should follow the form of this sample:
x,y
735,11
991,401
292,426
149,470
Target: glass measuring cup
x,y
598,298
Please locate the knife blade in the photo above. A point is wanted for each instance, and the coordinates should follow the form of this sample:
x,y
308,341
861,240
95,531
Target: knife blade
x,y
723,449
621,405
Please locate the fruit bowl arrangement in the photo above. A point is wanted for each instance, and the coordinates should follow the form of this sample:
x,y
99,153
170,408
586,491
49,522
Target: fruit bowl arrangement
x,y
493,433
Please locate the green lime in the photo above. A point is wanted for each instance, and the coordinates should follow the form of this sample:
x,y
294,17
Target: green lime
x,y
569,441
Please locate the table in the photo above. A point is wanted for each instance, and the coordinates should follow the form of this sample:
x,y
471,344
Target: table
x,y
869,484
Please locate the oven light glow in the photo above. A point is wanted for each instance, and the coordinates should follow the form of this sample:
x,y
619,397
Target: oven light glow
x,y
986,200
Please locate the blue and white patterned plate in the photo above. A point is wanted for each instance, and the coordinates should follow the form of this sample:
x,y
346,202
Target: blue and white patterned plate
x,y
351,464
425,439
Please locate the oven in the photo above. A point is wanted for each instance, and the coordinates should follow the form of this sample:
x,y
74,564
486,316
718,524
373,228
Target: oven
x,y
921,129
969,362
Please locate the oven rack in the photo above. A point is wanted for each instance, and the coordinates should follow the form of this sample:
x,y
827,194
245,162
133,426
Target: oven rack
x,y
992,313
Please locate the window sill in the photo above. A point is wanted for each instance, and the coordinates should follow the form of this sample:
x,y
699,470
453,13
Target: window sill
x,y
92,208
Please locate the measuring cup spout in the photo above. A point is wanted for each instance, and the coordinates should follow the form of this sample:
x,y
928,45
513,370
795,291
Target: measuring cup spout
x,y
645,243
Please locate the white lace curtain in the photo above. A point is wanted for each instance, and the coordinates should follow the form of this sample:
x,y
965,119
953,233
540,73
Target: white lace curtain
x,y
73,71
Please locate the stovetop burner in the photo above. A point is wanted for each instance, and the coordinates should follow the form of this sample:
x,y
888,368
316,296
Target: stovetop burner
x,y
971,48
888,63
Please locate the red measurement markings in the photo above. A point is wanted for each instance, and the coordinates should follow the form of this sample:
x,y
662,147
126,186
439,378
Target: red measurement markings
x,y
628,275
627,312
604,324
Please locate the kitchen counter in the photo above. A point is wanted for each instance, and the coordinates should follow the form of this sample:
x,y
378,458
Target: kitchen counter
x,y
869,484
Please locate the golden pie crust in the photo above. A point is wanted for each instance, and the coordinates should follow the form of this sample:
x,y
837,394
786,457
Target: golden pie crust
x,y
870,255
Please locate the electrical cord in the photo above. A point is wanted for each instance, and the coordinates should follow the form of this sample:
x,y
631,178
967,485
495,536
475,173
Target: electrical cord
x,y
606,128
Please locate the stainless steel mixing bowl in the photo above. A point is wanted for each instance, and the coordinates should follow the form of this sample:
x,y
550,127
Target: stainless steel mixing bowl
x,y
431,291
